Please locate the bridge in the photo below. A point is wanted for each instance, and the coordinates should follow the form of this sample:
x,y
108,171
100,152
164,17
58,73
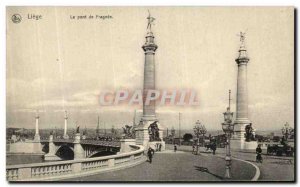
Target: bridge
x,y
74,168
84,157
55,149
69,149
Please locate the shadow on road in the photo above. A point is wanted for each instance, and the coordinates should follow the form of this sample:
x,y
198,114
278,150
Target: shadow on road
x,y
204,169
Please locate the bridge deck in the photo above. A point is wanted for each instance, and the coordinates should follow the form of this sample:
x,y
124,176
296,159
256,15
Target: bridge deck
x,y
87,142
180,166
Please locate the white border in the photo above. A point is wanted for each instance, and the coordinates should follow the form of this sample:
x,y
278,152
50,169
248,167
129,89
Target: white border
x,y
4,3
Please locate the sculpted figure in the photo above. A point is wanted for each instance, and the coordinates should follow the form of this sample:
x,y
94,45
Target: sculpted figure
x,y
249,133
154,132
128,131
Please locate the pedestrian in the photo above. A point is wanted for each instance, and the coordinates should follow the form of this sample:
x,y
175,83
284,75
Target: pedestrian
x,y
258,154
175,148
159,148
150,154
214,147
193,148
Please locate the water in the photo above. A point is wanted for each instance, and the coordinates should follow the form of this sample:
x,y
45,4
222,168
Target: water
x,y
23,159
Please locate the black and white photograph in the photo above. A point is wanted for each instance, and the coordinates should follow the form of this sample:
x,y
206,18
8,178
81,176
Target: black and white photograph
x,y
150,94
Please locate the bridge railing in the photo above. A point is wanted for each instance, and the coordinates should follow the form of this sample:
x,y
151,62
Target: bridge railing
x,y
74,168
87,141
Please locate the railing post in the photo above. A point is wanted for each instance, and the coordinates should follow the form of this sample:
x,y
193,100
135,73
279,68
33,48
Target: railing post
x,y
24,173
79,152
111,162
76,167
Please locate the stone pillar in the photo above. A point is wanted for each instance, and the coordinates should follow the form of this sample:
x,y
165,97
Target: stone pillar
x,y
37,134
51,155
149,114
238,138
125,145
78,149
242,94
52,148
149,77
66,126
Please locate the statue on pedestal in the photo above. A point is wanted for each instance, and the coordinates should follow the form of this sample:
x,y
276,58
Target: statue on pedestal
x,y
249,133
77,129
129,132
154,132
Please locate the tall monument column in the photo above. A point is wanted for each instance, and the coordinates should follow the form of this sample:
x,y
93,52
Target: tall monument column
x,y
242,120
149,75
149,115
37,134
66,136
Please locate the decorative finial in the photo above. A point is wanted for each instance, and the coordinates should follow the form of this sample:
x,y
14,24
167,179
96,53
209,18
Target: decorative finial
x,y
229,100
243,57
242,36
77,127
150,21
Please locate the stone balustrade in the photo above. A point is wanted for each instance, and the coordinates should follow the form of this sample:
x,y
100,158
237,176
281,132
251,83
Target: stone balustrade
x,y
50,171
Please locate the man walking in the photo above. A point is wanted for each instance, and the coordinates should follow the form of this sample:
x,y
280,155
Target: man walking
x,y
159,147
150,154
214,147
193,149
175,148
258,154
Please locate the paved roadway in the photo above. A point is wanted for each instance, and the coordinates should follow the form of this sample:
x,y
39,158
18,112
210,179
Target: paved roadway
x,y
179,166
273,168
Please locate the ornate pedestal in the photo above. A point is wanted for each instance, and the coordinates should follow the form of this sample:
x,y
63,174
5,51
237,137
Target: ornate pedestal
x,y
125,145
142,135
37,138
238,140
242,144
51,155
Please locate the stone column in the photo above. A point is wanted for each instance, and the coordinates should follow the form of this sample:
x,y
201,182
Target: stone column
x,y
238,138
66,126
149,115
149,77
51,155
242,94
37,134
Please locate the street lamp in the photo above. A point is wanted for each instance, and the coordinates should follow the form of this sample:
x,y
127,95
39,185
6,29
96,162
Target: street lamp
x,y
203,131
228,128
198,130
286,130
197,133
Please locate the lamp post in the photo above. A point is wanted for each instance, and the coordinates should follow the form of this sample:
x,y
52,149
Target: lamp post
x,y
173,135
203,131
286,130
198,130
228,128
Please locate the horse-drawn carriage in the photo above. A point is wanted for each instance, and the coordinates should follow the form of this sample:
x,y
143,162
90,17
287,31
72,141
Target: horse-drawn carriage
x,y
280,150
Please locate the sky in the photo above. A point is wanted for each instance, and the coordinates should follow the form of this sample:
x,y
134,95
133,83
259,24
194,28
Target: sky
x,y
57,63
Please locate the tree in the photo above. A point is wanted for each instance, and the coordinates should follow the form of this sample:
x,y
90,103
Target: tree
x,y
187,137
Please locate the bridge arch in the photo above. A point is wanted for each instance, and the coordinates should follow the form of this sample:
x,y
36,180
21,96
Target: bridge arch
x,y
65,151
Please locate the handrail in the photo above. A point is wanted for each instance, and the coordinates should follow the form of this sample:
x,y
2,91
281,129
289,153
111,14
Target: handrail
x,y
141,149
72,168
